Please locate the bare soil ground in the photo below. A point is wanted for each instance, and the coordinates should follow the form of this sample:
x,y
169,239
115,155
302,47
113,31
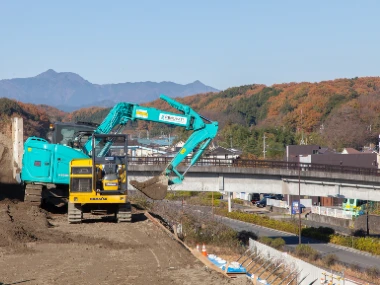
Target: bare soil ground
x,y
37,247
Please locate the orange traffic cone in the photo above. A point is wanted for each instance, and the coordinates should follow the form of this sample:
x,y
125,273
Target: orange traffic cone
x,y
204,252
198,249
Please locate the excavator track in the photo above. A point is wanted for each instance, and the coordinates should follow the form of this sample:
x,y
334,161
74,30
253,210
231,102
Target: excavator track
x,y
124,213
33,194
75,214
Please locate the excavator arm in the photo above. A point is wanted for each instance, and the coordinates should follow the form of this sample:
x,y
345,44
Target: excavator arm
x,y
203,129
123,112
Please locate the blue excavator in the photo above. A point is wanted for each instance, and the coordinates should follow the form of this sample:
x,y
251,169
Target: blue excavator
x,y
46,164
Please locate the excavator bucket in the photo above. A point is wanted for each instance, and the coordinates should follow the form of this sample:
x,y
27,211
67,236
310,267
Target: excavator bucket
x,y
155,188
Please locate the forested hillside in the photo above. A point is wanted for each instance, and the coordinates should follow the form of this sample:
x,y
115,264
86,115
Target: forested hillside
x,y
338,113
36,119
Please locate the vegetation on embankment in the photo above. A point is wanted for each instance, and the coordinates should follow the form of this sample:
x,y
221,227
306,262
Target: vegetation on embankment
x,y
325,234
198,229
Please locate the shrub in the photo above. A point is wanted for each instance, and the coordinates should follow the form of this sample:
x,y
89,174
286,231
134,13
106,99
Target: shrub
x,y
306,251
326,230
355,267
217,195
238,201
368,244
179,195
321,233
359,233
330,260
373,272
265,240
278,243
259,220
244,237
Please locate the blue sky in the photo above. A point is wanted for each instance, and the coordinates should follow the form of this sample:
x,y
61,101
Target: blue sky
x,y
221,43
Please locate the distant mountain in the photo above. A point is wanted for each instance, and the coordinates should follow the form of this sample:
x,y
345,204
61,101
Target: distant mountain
x,y
69,91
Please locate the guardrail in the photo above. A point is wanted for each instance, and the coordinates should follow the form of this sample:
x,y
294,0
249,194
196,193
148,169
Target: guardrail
x,y
336,213
259,164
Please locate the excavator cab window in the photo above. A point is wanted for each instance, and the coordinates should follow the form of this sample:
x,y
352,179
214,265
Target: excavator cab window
x,y
114,146
67,133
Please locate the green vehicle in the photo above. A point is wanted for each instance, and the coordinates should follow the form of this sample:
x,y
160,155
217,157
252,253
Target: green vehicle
x,y
357,206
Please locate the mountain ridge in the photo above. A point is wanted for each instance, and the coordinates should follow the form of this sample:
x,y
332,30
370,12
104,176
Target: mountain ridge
x,y
69,91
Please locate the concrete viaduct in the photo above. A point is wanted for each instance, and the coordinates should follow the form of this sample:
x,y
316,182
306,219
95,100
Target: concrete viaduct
x,y
270,177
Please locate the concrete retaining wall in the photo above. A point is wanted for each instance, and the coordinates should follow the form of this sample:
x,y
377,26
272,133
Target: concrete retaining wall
x,y
359,223
373,224
331,220
312,272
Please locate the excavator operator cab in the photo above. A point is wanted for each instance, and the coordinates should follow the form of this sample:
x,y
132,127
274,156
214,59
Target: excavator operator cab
x,y
110,168
70,134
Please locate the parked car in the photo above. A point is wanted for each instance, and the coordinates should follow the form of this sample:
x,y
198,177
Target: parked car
x,y
279,197
255,198
274,196
262,203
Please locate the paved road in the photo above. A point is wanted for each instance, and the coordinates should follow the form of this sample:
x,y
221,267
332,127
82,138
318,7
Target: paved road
x,y
345,255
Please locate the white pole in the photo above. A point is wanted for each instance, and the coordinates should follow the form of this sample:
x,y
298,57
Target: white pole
x,y
17,140
264,145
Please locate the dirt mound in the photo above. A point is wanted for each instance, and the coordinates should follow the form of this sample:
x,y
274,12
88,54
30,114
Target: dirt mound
x,y
21,223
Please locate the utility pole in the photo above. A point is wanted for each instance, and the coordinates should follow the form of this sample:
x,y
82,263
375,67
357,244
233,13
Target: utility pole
x,y
367,218
212,204
299,202
264,151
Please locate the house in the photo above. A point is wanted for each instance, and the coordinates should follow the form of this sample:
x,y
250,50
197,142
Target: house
x,y
223,153
349,150
138,150
315,154
322,155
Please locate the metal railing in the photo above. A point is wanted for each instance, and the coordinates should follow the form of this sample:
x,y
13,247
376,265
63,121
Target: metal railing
x,y
259,164
336,213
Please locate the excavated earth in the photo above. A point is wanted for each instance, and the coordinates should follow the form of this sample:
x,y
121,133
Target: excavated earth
x,y
39,247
